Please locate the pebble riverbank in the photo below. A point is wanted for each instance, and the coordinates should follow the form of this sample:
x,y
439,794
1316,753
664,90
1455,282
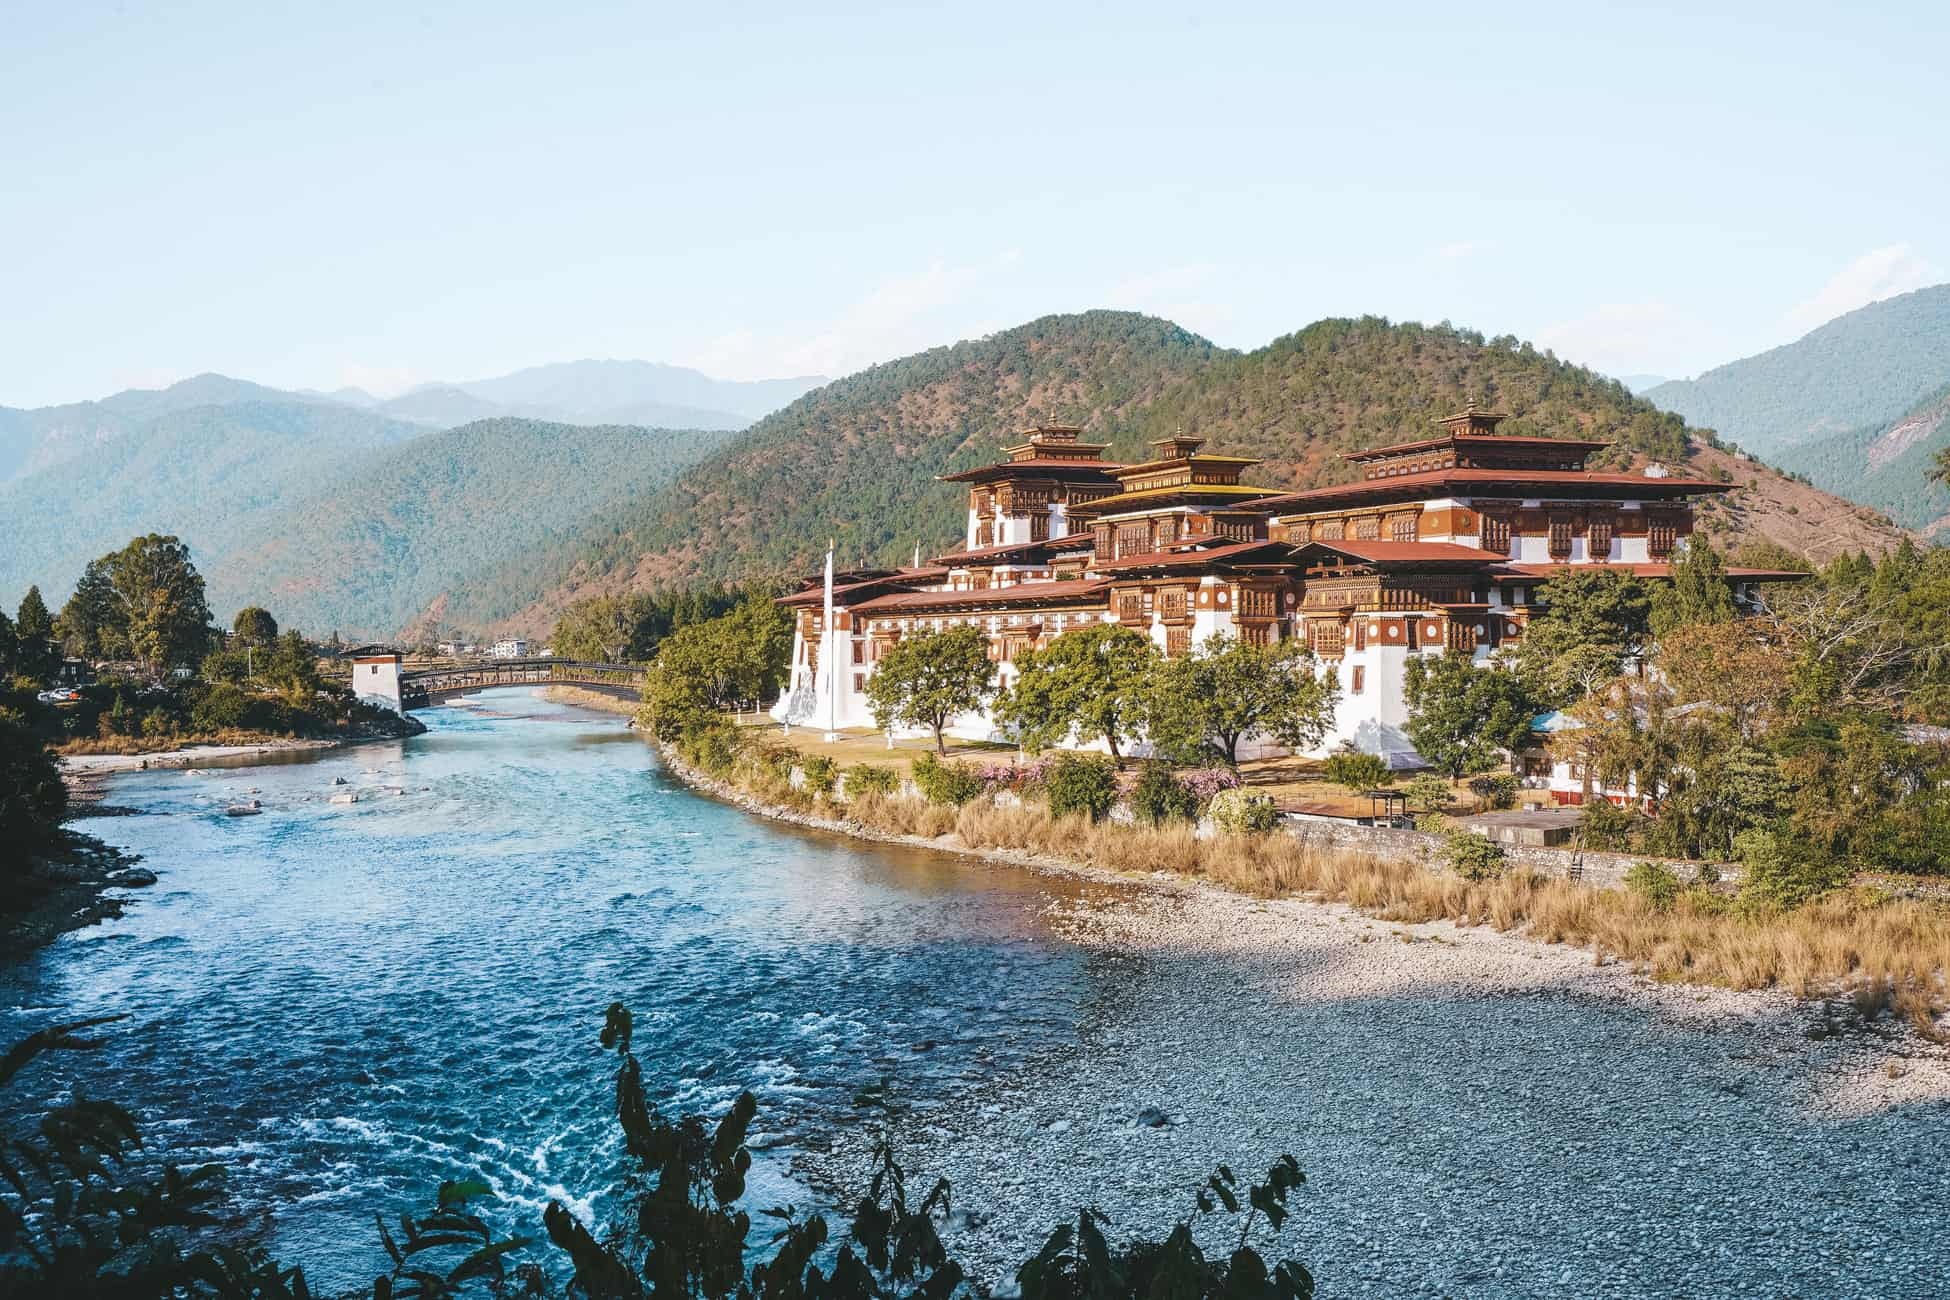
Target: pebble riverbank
x,y
1479,1115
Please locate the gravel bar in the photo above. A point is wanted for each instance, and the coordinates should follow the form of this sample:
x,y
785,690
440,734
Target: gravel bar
x,y
1478,1115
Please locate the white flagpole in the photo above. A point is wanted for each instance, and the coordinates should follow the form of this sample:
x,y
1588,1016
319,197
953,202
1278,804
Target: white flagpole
x,y
829,643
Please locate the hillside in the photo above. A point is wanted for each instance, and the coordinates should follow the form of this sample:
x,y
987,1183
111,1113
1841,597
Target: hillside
x,y
456,526
857,459
1860,370
1885,465
205,473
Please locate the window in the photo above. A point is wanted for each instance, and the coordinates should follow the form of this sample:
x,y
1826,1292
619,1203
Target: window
x,y
1178,641
1404,528
1360,681
1331,530
1496,534
1560,537
1130,607
1171,604
1360,634
1256,602
1257,633
859,652
1660,535
1598,540
859,681
1367,529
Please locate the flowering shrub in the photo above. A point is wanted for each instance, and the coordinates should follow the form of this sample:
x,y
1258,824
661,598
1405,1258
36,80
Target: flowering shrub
x,y
1205,782
1017,777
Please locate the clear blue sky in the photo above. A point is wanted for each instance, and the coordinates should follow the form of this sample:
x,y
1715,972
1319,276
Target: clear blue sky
x,y
321,194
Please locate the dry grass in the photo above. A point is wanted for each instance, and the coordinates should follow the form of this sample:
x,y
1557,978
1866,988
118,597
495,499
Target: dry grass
x,y
1885,955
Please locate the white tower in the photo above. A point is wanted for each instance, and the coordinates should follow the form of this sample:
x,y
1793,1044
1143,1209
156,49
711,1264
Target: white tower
x,y
375,678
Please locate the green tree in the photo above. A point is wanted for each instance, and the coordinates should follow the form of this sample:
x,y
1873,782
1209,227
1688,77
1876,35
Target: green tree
x,y
926,680
254,626
1462,718
600,629
1354,770
1594,620
160,603
708,667
32,619
292,666
92,625
33,798
1226,690
1697,594
9,650
1091,681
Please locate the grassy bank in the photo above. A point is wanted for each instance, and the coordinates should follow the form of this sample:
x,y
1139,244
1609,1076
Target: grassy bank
x,y
1886,955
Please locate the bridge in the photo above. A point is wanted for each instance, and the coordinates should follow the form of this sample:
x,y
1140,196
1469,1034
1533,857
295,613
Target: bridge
x,y
423,686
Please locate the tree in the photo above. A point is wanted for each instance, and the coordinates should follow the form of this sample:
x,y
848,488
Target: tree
x,y
1226,690
159,600
1090,681
292,666
1940,466
1593,622
601,628
91,623
9,650
1698,592
33,799
33,620
705,668
926,680
1462,718
1741,667
254,626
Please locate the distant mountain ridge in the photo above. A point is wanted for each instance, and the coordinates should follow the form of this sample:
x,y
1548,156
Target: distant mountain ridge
x,y
1885,465
1865,368
882,436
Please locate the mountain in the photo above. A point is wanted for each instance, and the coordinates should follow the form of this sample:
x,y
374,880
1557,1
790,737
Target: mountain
x,y
603,388
450,527
857,459
1858,371
439,405
205,473
1885,465
1639,384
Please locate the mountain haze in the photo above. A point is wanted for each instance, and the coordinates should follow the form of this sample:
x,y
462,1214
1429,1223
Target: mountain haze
x,y
1885,465
1864,369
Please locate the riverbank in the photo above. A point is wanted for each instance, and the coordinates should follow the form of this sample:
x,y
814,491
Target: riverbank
x,y
75,885
1479,1113
600,701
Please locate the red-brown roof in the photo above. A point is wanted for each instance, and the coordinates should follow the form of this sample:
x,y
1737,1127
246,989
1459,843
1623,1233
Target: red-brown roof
x,y
1474,440
1179,558
981,553
1042,464
1016,594
1380,552
1560,479
1510,573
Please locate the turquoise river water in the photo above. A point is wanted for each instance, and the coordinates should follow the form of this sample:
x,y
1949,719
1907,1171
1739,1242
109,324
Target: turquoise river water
x,y
347,1003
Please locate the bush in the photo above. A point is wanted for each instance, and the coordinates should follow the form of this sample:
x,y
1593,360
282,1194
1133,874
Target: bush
x,y
220,708
945,783
1160,797
866,777
1205,782
1607,826
1782,872
1081,783
1473,856
1495,790
1357,771
820,773
1239,811
1655,882
708,745
1431,792
33,798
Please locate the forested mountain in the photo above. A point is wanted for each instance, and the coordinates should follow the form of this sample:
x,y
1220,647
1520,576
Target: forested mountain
x,y
1885,465
204,473
606,388
459,526
857,459
1861,370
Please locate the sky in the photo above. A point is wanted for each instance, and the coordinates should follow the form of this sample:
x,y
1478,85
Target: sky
x,y
385,194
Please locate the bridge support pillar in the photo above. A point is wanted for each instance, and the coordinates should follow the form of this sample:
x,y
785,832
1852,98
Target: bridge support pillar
x,y
375,679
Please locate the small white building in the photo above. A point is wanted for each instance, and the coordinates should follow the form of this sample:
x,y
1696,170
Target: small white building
x,y
509,648
375,677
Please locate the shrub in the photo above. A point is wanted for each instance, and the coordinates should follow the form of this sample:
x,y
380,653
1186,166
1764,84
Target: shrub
x,y
1081,783
1433,823
1473,856
1357,771
1429,791
1239,811
1782,872
1205,782
1019,778
1495,790
155,723
1607,826
1160,797
708,745
946,783
1655,882
866,777
820,773
220,708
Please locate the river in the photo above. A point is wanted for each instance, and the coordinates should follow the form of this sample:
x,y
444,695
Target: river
x,y
348,1003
